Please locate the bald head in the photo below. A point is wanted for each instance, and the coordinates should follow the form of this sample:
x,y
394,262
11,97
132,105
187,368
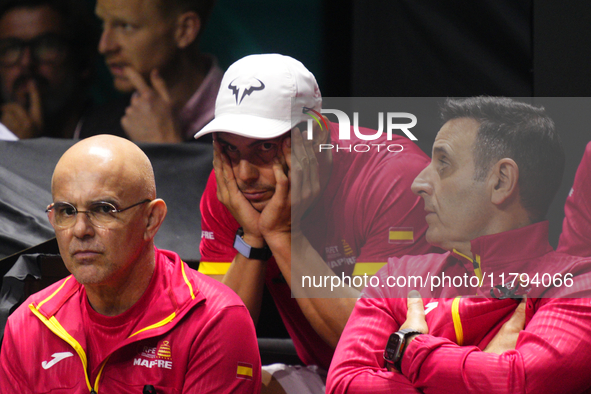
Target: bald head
x,y
106,160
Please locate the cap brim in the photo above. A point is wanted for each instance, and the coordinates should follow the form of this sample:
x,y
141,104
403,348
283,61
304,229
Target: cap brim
x,y
247,126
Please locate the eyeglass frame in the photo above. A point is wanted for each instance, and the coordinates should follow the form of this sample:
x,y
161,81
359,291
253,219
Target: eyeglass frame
x,y
31,45
88,213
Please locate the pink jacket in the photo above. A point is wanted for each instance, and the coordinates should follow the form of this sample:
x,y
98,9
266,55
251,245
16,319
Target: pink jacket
x,y
551,354
197,338
576,227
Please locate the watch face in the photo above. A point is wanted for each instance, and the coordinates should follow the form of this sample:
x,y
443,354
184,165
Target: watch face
x,y
394,347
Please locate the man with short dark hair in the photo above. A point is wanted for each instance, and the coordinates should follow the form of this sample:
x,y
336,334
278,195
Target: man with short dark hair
x,y
495,167
131,316
152,50
47,56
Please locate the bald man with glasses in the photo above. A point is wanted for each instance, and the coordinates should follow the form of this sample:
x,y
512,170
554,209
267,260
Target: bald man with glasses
x,y
131,316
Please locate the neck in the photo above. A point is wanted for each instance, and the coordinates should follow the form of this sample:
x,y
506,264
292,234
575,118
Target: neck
x,y
503,220
117,295
185,78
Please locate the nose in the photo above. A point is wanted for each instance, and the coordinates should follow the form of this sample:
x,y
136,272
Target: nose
x,y
422,184
26,58
246,172
107,43
83,228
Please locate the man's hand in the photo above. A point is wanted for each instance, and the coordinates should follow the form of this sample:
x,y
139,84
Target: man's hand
x,y
150,116
415,319
230,195
296,191
506,338
22,122
415,314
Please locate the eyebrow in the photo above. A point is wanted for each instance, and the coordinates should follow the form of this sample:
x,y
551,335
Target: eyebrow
x,y
440,150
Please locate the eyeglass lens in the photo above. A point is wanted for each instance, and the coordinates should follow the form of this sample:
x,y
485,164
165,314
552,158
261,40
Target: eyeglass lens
x,y
99,214
45,49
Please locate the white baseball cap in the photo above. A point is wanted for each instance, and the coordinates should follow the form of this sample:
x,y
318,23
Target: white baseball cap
x,y
263,97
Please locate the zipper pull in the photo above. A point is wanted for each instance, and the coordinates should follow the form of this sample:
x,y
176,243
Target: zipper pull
x,y
92,391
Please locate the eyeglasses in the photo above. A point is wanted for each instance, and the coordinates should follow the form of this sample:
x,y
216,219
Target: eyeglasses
x,y
100,214
48,48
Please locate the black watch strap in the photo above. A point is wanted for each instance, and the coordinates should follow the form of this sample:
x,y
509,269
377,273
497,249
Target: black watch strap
x,y
397,345
248,251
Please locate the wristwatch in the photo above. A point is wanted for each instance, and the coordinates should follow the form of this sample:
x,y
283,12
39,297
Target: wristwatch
x,y
248,251
396,346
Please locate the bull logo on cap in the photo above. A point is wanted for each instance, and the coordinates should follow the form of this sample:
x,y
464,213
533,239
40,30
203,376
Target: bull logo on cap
x,y
247,87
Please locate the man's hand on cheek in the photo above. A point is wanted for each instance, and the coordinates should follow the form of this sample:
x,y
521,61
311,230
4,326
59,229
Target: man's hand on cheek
x,y
276,216
230,195
303,174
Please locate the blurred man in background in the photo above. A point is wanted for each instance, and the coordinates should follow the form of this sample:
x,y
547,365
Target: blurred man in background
x,y
151,48
47,53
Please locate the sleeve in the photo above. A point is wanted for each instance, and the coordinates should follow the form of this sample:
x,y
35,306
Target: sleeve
x,y
393,217
10,365
225,358
218,230
576,227
551,356
358,363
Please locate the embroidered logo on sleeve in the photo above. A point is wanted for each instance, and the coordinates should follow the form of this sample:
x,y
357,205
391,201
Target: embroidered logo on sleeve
x,y
401,235
244,371
57,357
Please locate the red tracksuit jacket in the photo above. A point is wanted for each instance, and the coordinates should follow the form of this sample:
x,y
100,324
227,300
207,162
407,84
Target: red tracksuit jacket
x,y
192,335
551,354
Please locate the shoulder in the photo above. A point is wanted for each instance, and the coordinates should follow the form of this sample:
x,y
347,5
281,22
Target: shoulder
x,y
216,293
187,283
48,301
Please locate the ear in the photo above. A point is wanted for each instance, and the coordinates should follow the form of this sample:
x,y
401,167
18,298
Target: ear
x,y
156,213
188,25
503,181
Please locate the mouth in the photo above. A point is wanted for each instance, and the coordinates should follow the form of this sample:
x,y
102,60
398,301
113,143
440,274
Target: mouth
x,y
256,196
117,69
85,254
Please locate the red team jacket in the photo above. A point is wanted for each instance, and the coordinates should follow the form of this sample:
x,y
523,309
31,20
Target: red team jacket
x,y
576,228
366,214
551,354
189,334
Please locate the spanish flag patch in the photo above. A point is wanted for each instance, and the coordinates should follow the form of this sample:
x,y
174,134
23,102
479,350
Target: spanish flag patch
x,y
401,235
244,371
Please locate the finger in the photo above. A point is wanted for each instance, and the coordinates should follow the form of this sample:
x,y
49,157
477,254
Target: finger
x,y
286,147
517,320
296,172
137,80
282,183
313,163
414,303
222,189
35,109
298,150
415,314
159,85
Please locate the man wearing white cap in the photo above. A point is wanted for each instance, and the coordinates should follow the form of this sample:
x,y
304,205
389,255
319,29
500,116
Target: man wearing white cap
x,y
277,208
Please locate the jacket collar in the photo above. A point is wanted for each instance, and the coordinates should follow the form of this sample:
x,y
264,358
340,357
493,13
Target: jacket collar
x,y
179,291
